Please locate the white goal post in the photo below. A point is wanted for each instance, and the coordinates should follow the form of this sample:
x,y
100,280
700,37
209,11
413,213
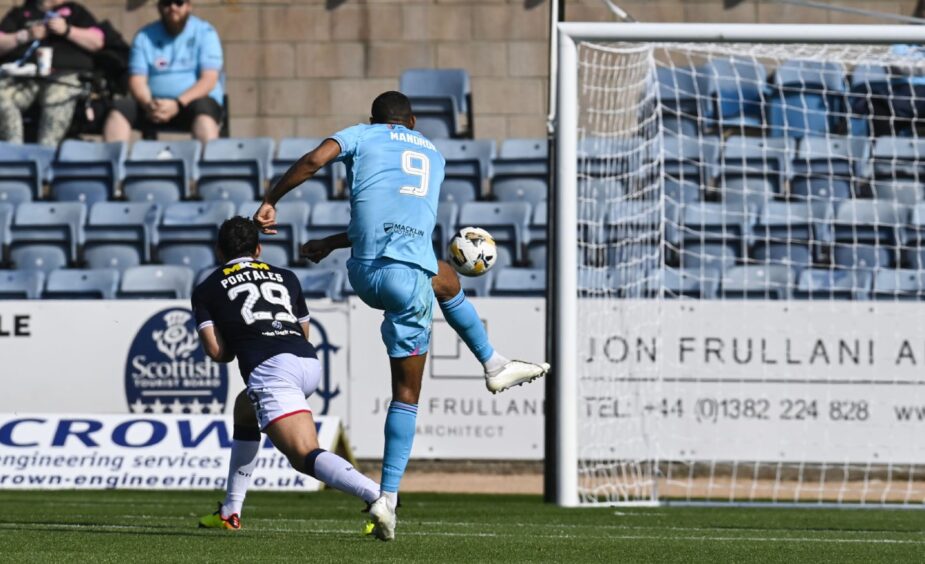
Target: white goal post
x,y
665,414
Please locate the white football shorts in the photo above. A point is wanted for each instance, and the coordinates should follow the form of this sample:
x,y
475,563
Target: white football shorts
x,y
280,386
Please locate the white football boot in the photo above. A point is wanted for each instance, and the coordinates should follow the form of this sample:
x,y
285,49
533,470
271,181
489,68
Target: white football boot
x,y
383,518
514,373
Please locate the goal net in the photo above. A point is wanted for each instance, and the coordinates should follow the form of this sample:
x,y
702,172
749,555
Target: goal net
x,y
739,314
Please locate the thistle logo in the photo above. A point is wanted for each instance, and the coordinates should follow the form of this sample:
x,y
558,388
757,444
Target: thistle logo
x,y
168,372
325,350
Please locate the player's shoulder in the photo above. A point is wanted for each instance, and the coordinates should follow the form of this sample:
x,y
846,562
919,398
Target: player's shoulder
x,y
200,25
209,282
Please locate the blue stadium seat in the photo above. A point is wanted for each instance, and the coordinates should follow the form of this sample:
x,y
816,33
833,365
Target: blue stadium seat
x,y
193,222
58,224
713,222
867,83
235,169
735,90
763,282
321,282
72,284
833,284
23,171
127,224
508,223
824,167
115,256
690,159
520,282
447,216
862,257
6,219
537,256
87,171
196,257
437,97
291,220
906,192
794,255
714,256
468,165
681,192
746,193
899,285
808,98
275,255
21,284
634,269
160,171
479,286
44,258
596,282
683,283
870,221
328,218
156,281
914,231
801,222
321,186
681,97
757,158
898,157
521,168
616,157
631,219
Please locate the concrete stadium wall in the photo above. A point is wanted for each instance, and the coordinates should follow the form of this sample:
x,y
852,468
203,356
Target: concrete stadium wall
x,y
310,67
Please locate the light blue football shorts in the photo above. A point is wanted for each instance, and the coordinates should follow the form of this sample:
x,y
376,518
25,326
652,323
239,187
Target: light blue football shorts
x,y
403,291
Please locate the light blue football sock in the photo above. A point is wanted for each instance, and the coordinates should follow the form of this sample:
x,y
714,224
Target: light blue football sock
x,y
462,317
399,436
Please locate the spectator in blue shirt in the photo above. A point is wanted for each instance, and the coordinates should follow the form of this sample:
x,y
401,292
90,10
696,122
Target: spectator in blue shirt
x,y
174,77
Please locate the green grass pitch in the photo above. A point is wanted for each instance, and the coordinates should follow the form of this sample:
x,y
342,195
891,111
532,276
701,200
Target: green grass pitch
x,y
148,526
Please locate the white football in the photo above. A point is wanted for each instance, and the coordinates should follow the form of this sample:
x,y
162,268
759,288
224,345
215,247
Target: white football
x,y
472,251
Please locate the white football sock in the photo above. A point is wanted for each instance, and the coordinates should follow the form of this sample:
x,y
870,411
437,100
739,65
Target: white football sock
x,y
495,362
340,474
241,466
391,498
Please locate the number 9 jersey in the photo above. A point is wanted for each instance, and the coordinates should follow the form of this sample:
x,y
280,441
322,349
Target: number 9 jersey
x,y
394,176
256,308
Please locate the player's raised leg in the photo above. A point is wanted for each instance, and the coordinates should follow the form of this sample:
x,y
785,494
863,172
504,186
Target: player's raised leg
x,y
501,372
245,445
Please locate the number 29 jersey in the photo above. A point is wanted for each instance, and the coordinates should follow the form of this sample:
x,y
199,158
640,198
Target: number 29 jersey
x,y
256,308
394,176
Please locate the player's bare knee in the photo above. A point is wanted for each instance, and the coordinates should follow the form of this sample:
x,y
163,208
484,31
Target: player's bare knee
x,y
244,411
446,282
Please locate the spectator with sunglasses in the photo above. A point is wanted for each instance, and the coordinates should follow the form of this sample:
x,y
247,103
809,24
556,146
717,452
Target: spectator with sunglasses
x,y
175,78
74,35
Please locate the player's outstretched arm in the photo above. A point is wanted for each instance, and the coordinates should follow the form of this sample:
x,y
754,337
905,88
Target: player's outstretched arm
x,y
214,345
317,249
299,172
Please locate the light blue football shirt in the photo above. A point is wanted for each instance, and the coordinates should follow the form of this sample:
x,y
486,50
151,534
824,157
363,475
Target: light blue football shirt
x,y
394,176
173,64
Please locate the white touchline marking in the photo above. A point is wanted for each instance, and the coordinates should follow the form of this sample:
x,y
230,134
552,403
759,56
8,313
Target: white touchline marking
x,y
354,532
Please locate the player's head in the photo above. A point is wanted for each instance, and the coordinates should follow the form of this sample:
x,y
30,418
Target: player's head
x,y
174,14
392,107
238,237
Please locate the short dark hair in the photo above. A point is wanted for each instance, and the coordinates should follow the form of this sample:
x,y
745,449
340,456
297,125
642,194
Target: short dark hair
x,y
237,237
391,107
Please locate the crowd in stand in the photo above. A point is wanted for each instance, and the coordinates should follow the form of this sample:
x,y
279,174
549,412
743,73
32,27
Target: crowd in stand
x,y
65,72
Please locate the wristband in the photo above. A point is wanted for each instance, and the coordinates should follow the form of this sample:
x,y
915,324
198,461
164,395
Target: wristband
x,y
180,104
67,30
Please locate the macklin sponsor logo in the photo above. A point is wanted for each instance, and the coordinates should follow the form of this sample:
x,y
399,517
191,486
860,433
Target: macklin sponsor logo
x,y
168,372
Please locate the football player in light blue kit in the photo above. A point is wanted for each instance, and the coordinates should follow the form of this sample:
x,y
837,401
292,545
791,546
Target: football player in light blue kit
x,y
394,176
